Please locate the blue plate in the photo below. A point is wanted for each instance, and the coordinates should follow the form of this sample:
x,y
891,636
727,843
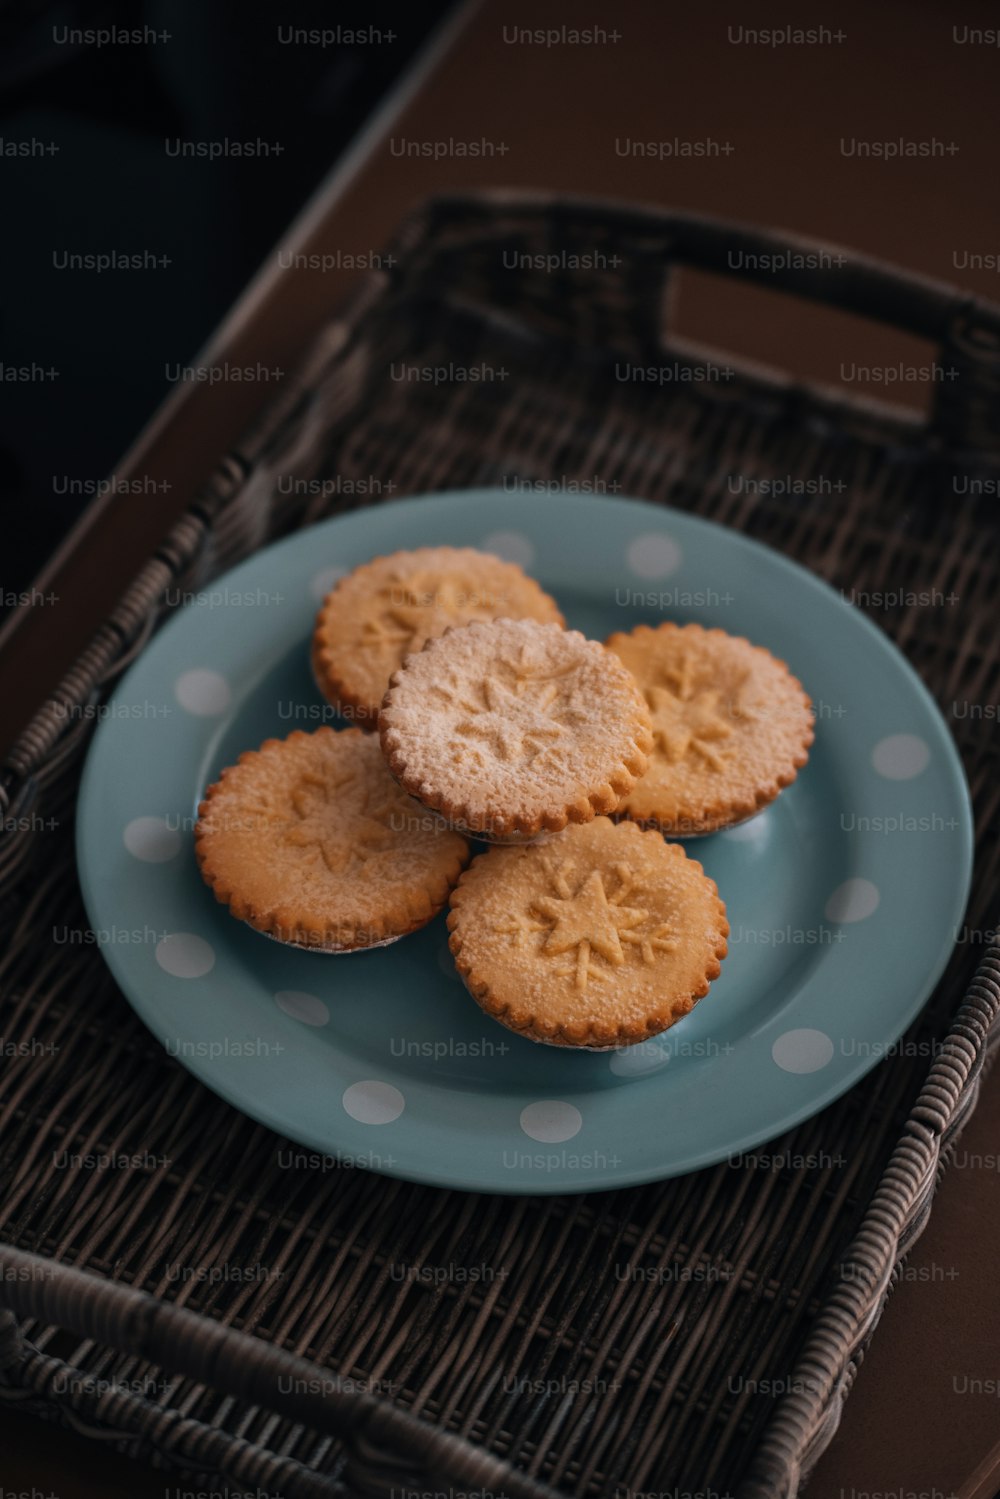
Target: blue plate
x,y
845,896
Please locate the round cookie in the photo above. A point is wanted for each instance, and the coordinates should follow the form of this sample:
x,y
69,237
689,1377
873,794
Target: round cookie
x,y
310,841
731,727
514,728
386,609
600,938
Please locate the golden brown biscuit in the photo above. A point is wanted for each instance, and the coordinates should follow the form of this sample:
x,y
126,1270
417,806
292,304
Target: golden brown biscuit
x,y
386,609
512,728
310,840
601,937
731,727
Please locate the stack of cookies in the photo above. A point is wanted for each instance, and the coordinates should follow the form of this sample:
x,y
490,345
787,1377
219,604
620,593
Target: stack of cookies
x,y
481,716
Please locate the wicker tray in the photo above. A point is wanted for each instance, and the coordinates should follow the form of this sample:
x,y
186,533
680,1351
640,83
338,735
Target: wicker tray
x,y
628,1341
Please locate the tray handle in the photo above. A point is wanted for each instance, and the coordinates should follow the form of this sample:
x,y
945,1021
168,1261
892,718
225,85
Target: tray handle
x,y
387,1446
965,412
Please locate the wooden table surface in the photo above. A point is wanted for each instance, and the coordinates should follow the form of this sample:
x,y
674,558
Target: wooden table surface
x,y
569,117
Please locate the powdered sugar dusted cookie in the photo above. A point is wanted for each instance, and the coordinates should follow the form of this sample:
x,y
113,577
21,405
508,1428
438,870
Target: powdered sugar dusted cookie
x,y
514,728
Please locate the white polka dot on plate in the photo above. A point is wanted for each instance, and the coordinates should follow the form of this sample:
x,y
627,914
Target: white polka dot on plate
x,y
854,900
372,1102
653,555
202,692
305,1007
324,581
151,840
512,546
639,1061
185,956
551,1121
802,1051
900,757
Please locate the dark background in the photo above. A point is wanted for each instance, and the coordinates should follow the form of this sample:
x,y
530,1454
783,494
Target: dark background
x,y
112,185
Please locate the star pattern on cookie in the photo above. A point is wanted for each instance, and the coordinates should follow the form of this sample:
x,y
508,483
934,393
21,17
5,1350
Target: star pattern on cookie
x,y
518,719
683,727
420,607
387,629
689,720
514,727
588,923
345,839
